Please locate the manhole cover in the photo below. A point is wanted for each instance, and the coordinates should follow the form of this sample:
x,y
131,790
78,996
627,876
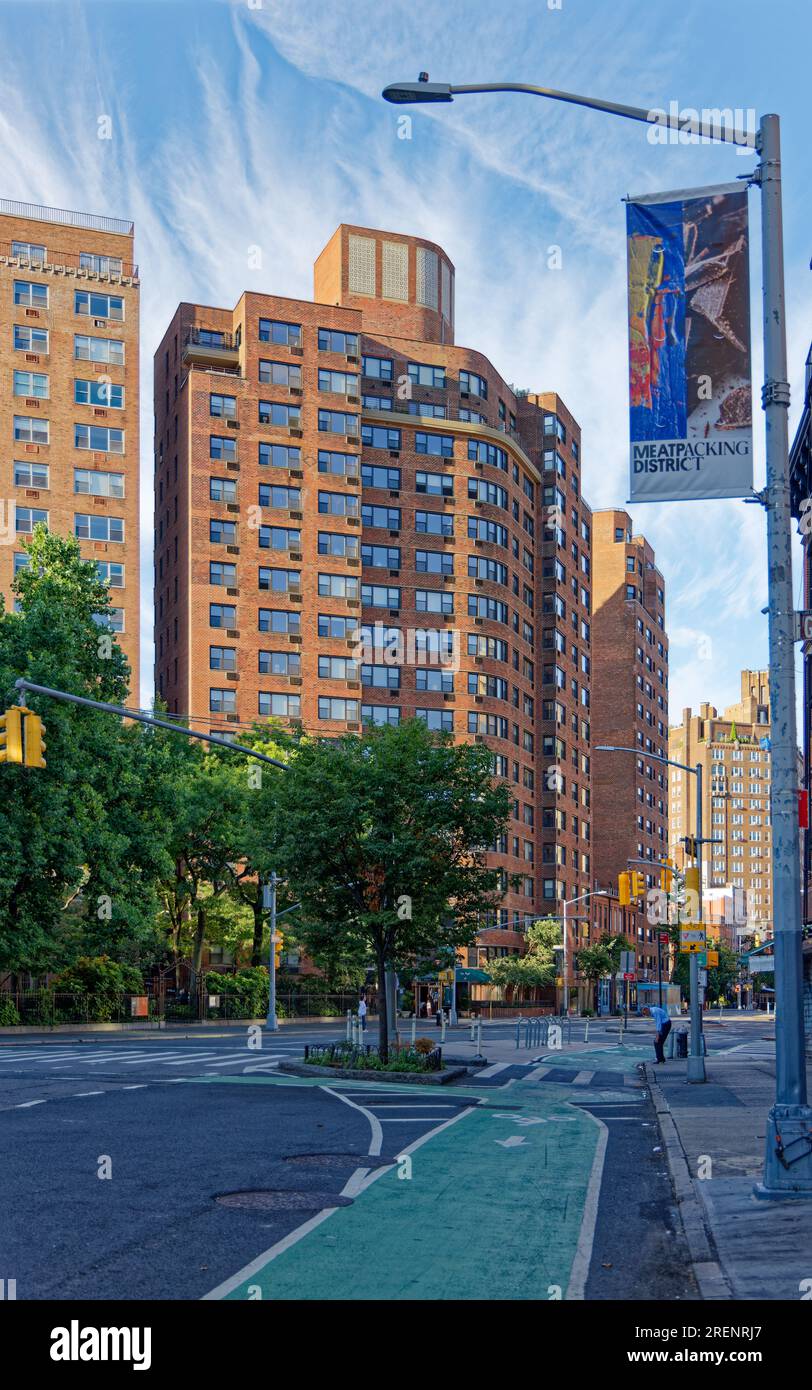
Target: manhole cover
x,y
281,1200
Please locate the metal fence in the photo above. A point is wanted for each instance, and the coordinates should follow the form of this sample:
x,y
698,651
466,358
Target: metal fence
x,y
47,1008
543,1032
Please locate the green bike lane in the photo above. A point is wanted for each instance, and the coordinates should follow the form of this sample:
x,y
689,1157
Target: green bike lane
x,y
498,1201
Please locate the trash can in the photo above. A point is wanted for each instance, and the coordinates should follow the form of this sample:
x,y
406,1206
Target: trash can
x,y
682,1042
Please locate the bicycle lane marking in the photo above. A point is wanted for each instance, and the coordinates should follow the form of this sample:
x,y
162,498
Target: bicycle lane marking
x,y
431,1236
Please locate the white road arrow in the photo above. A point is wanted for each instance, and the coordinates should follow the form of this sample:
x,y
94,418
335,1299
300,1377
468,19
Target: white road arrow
x,y
511,1142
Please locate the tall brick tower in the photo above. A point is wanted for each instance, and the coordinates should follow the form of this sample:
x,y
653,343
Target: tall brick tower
x,y
70,352
340,468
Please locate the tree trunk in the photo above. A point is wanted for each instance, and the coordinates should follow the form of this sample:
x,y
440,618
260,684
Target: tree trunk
x,y
200,937
256,949
383,1021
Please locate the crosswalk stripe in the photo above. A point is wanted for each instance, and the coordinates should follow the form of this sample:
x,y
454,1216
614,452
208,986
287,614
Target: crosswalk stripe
x,y
582,1078
495,1068
537,1073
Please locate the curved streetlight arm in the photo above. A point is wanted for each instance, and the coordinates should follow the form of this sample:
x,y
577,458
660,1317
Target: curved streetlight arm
x,y
407,93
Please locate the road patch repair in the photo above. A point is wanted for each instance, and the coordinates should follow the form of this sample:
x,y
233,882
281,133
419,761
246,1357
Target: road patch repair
x,y
421,1226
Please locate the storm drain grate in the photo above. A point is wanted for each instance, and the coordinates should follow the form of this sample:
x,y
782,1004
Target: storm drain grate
x,y
280,1199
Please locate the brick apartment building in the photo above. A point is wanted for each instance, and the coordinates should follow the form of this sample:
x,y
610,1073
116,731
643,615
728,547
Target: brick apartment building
x,y
630,705
733,750
322,468
69,412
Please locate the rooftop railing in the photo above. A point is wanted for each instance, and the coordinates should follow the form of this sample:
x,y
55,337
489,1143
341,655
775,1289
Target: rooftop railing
x,y
88,220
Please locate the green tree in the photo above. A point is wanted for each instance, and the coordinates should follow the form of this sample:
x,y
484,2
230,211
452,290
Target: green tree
x,y
537,966
720,977
383,839
78,846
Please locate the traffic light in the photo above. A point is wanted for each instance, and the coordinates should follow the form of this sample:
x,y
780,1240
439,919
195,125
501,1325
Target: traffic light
x,y
277,951
624,889
692,880
11,735
666,876
34,742
638,884
691,846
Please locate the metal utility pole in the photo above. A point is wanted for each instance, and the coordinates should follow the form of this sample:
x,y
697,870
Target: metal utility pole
x,y
269,901
696,1061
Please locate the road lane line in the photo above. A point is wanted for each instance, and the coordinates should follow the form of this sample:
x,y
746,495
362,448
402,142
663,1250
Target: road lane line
x,y
376,1141
77,1095
579,1273
26,1104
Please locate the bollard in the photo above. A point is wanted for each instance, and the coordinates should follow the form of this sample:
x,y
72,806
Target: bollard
x,y
414,1030
473,1028
349,1025
586,1032
479,1037
442,1026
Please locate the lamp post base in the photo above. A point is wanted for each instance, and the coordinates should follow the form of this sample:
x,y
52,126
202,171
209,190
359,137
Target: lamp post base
x,y
272,1023
787,1154
696,1069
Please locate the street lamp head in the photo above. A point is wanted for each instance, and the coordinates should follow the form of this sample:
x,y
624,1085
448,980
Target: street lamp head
x,y
404,93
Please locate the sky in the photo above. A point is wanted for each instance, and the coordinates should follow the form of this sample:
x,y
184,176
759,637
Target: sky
x,y
244,131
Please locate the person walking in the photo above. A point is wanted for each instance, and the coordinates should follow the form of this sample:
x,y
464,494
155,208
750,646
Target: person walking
x,y
663,1025
362,1013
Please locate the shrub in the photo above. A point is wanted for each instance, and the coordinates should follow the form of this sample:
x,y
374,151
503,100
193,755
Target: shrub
x,y
244,995
8,1013
97,985
424,1045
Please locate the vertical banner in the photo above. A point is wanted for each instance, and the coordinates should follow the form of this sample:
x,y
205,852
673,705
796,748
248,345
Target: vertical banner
x,y
690,398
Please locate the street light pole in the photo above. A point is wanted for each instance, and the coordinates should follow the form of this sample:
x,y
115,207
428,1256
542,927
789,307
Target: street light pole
x,y
695,1070
269,893
788,1155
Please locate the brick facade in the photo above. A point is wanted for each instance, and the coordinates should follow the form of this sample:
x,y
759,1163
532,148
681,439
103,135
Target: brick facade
x,y
51,262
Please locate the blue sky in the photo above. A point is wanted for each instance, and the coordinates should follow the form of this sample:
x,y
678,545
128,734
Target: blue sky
x,y
244,124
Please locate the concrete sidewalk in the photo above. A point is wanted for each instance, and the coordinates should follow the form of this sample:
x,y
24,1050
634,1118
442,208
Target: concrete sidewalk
x,y
713,1137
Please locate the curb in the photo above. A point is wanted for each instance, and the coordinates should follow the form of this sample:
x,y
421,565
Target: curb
x,y
708,1273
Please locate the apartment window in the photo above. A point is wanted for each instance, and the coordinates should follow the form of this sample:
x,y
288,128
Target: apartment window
x,y
222,532
222,658
31,474
428,409
380,437
99,439
30,430
99,393
276,331
223,489
481,568
98,306
110,573
223,448
473,383
277,455
380,368
223,407
380,714
441,445
340,465
343,383
279,663
333,340
280,581
30,295
98,484
275,497
337,586
337,668
338,544
485,491
383,518
433,601
100,265
26,518
279,620
434,562
337,422
282,706
87,349
380,596
31,384
433,524
338,504
280,374
223,573
382,677
424,374
223,615
438,720
333,625
98,528
381,556
333,707
28,250
490,531
374,476
283,416
435,484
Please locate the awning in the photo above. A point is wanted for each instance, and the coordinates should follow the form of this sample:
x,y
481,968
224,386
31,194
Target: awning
x,y
465,976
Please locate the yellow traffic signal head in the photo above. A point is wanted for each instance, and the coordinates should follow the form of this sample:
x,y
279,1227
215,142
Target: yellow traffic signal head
x,y
34,742
638,884
11,735
624,890
666,876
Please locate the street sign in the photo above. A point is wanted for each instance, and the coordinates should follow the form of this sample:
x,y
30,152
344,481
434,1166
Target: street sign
x,y
692,940
664,938
627,962
703,979
630,975
803,625
713,957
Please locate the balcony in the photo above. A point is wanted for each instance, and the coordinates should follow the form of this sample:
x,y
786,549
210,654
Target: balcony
x,y
204,348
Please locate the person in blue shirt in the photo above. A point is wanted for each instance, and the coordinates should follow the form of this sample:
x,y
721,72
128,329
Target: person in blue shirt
x,y
663,1025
